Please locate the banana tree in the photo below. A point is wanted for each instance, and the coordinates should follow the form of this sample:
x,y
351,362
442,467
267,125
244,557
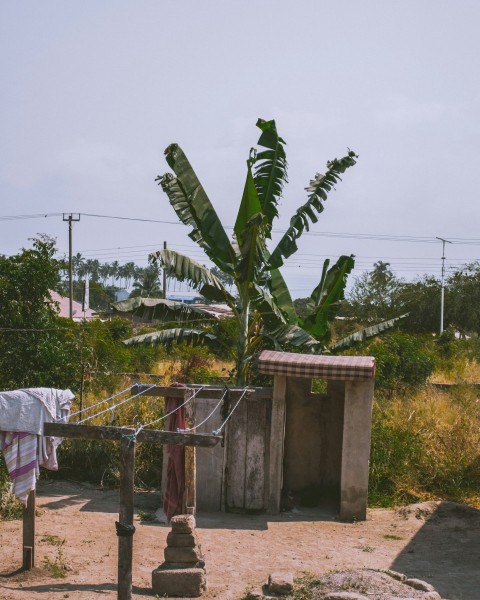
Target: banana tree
x,y
262,306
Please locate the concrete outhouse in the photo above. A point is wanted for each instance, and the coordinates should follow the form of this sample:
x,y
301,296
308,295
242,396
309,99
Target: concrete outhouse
x,y
320,440
287,438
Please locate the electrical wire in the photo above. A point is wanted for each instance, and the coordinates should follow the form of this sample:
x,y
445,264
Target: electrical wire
x,y
366,236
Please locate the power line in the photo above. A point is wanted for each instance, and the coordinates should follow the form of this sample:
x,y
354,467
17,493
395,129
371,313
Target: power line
x,y
347,235
25,217
132,219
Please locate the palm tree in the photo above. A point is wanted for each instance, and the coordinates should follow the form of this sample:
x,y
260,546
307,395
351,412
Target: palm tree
x,y
77,261
104,272
262,305
148,285
114,274
92,266
129,273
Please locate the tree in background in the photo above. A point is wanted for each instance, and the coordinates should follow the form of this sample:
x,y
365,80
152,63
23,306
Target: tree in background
x,y
375,295
35,344
148,284
262,306
421,301
39,348
378,295
463,299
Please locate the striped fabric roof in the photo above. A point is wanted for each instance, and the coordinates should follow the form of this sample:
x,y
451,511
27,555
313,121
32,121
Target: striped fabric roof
x,y
344,368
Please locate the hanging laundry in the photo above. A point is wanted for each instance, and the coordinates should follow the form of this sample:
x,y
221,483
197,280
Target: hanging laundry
x,y
22,416
28,409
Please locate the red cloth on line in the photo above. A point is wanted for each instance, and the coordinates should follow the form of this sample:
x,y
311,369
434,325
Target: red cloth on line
x,y
175,486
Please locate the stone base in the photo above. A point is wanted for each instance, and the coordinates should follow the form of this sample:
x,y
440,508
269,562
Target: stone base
x,y
189,583
183,555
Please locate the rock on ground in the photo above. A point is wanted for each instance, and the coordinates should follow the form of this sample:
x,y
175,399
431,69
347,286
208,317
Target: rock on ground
x,y
368,584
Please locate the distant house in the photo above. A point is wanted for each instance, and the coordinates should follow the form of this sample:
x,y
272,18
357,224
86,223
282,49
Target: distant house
x,y
121,295
63,304
185,298
152,310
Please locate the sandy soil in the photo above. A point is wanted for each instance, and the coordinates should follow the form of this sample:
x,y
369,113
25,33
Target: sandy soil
x,y
437,542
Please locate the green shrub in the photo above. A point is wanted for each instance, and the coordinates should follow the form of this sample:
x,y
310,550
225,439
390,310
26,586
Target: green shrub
x,y
192,364
403,361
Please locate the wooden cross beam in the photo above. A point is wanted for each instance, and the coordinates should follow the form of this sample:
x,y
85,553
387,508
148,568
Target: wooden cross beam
x,y
127,438
212,392
152,436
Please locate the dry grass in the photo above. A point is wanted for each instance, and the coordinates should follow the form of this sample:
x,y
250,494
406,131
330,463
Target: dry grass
x,y
458,371
427,446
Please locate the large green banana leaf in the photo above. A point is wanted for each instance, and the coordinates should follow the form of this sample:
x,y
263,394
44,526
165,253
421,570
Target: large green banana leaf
x,y
249,233
317,194
199,277
270,170
361,336
325,298
194,208
271,314
293,335
281,294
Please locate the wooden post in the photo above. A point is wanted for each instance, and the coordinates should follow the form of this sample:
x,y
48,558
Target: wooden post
x,y
29,532
190,495
125,542
277,440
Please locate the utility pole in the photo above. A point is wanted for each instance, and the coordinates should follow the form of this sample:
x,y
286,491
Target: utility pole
x,y
164,276
442,289
70,218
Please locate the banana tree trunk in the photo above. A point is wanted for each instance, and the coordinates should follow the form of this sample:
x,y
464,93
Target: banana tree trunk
x,y
242,344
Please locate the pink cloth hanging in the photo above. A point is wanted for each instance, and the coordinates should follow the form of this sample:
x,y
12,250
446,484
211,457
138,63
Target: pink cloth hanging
x,y
175,486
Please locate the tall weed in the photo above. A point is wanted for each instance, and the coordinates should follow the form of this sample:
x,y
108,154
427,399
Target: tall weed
x,y
97,461
426,445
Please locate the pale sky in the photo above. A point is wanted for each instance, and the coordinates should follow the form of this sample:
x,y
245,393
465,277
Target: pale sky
x,y
93,92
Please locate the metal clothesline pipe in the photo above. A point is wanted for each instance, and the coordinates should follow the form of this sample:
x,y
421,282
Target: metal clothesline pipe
x,y
100,402
219,430
111,408
171,412
206,418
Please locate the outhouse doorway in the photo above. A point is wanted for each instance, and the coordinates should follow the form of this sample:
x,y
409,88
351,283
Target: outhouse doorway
x,y
320,442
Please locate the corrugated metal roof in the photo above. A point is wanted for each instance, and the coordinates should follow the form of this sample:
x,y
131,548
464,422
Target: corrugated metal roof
x,y
64,308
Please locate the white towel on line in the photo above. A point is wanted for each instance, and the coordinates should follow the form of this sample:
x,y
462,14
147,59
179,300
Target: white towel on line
x,y
22,416
28,409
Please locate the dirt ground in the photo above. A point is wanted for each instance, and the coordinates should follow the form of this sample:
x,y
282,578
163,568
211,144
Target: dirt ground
x,y
437,541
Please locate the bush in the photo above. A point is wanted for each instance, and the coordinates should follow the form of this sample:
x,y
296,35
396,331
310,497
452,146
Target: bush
x,y
403,361
98,461
426,446
394,451
192,364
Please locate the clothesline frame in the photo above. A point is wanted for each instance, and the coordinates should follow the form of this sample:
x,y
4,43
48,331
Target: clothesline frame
x,y
128,437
